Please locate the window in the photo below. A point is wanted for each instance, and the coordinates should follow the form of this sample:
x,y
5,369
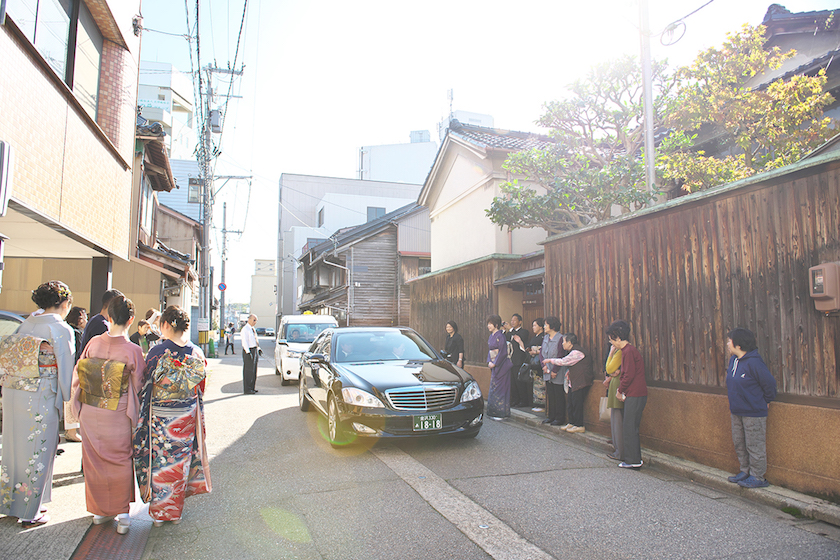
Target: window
x,y
373,212
424,266
66,35
88,60
194,190
321,217
147,203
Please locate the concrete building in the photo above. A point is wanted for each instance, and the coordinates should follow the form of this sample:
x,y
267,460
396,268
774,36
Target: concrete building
x,y
263,299
166,96
309,203
69,109
400,163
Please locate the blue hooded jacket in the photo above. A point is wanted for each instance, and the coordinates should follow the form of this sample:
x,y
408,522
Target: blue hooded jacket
x,y
750,385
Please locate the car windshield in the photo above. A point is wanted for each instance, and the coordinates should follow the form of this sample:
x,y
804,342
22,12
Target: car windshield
x,y
304,332
381,346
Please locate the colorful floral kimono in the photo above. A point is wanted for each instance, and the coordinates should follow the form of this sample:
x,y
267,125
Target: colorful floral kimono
x,y
36,367
170,456
498,401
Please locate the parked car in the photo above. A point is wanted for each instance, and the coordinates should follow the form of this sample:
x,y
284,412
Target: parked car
x,y
9,322
269,331
384,382
296,334
260,331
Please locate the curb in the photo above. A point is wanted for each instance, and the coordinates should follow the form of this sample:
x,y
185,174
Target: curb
x,y
773,496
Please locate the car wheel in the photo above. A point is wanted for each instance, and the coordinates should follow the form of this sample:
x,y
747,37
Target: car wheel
x,y
277,372
335,429
283,381
303,401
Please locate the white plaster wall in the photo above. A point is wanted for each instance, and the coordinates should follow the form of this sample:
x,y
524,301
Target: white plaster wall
x,y
345,210
401,163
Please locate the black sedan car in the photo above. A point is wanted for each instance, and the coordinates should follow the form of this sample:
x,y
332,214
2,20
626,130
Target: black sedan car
x,y
375,382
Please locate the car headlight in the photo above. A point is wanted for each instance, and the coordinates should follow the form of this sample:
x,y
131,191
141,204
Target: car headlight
x,y
294,354
471,393
357,397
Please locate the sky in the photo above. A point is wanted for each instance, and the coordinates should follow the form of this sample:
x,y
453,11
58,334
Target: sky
x,y
323,78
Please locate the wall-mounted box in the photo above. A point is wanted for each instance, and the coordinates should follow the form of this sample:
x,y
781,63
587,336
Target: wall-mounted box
x,y
824,286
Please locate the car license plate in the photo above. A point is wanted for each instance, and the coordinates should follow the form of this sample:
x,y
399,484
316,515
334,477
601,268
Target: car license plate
x,y
428,422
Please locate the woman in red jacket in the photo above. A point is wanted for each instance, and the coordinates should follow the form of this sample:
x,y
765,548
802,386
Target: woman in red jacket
x,y
632,391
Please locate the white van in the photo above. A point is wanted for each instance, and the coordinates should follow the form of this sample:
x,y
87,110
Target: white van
x,y
296,334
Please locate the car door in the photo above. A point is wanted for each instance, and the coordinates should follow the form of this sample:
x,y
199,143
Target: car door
x,y
321,373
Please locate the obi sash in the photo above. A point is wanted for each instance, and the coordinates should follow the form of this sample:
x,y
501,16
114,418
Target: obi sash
x,y
24,360
176,378
102,382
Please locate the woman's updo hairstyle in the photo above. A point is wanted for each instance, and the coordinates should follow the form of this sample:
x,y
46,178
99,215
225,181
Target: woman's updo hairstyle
x,y
51,294
120,310
177,318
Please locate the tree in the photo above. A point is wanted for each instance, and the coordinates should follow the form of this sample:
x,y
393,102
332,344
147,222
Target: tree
x,y
597,159
753,129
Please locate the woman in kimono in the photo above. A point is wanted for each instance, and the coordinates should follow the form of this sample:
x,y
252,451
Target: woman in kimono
x,y
498,401
169,451
36,368
106,382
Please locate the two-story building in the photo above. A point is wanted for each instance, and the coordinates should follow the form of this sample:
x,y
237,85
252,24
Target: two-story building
x,y
359,275
477,268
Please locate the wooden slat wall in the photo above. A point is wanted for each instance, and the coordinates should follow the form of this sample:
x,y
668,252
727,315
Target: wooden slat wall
x,y
687,275
374,265
464,296
409,268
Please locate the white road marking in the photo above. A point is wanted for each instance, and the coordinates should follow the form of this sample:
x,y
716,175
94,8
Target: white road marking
x,y
479,525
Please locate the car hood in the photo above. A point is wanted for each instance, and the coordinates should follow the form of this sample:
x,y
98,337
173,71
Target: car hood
x,y
402,373
299,346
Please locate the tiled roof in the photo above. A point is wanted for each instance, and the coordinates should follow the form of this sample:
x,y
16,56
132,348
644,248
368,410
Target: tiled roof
x,y
779,13
510,140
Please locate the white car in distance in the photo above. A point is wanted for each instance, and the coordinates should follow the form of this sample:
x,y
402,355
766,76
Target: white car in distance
x,y
295,335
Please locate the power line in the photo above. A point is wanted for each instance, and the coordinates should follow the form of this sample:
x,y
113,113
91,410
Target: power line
x,y
671,29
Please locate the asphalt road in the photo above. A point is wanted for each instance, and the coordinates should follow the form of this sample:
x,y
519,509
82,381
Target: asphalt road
x,y
514,492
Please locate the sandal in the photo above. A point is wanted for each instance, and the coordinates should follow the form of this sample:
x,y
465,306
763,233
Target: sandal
x,y
40,519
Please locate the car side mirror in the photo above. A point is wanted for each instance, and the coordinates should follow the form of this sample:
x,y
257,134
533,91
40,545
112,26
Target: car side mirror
x,y
316,359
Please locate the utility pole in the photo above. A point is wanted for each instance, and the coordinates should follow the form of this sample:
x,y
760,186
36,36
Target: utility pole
x,y
211,126
647,79
225,231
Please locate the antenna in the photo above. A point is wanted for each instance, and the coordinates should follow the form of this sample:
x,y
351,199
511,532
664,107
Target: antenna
x,y
450,94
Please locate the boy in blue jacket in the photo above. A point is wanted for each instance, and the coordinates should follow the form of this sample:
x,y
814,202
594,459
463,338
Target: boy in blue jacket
x,y
750,386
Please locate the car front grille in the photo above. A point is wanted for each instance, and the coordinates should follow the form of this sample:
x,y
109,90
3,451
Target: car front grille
x,y
422,398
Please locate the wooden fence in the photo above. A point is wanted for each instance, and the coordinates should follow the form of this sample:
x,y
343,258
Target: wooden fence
x,y
686,273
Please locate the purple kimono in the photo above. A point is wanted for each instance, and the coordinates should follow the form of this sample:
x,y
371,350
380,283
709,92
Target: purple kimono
x,y
498,401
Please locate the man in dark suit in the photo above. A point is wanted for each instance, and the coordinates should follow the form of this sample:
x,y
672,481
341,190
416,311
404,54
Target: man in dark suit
x,y
251,353
99,323
521,392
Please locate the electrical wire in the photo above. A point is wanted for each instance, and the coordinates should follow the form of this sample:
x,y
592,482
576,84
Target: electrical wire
x,y
187,37
676,24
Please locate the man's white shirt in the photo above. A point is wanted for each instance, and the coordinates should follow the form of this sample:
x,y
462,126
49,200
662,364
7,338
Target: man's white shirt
x,y
248,337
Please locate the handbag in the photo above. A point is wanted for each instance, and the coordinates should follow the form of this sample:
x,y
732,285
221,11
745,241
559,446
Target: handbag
x,y
524,373
603,410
